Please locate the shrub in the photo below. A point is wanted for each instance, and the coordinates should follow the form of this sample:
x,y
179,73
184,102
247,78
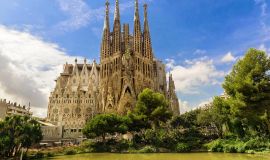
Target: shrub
x,y
148,149
215,146
182,147
101,147
240,147
70,151
50,154
38,155
229,148
138,139
251,144
86,146
122,145
162,138
250,151
258,144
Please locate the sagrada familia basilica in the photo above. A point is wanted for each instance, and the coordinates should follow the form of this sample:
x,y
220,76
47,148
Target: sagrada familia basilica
x,y
127,66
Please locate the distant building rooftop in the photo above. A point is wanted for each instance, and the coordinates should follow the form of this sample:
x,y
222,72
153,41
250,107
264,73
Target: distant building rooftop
x,y
8,108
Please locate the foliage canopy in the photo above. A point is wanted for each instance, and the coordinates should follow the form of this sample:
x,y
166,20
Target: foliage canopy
x,y
104,124
18,132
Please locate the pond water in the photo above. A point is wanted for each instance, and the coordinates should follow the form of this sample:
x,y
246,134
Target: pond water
x,y
169,156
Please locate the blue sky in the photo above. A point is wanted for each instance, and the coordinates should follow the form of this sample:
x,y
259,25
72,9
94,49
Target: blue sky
x,y
199,40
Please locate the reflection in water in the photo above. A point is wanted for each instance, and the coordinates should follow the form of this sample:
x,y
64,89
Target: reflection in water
x,y
182,156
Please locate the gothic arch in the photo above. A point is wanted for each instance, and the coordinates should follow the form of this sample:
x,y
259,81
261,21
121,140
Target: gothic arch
x,y
109,106
128,89
127,100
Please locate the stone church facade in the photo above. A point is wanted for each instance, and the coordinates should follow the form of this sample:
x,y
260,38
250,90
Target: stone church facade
x,y
127,66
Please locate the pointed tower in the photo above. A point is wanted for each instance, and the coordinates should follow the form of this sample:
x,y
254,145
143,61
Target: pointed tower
x,y
105,46
93,77
116,47
137,30
75,81
147,45
126,36
172,97
93,87
84,76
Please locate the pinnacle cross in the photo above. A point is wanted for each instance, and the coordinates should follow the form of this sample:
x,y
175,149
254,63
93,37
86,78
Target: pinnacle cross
x,y
145,11
117,12
106,20
136,10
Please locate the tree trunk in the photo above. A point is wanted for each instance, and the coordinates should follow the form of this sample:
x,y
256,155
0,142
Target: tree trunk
x,y
268,125
26,150
219,130
11,152
21,157
18,150
103,139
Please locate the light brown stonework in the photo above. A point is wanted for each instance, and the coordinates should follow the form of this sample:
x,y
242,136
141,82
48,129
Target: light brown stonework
x,y
11,109
127,66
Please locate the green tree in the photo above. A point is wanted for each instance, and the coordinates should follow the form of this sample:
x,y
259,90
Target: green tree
x,y
18,132
180,121
248,87
190,118
105,124
137,122
153,106
220,114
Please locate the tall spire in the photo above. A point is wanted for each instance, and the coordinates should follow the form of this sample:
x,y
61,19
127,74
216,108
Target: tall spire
x,y
172,97
105,46
146,27
171,83
137,30
106,20
126,36
136,16
116,48
116,12
147,44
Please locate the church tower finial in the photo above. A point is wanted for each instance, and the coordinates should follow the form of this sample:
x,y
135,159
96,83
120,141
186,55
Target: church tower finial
x,y
107,23
137,30
147,44
105,48
136,16
117,12
116,45
145,16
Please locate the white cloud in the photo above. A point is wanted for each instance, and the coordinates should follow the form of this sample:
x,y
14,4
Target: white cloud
x,y
200,52
264,48
204,103
81,15
228,58
39,112
194,74
28,68
184,106
170,63
129,4
264,18
263,6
